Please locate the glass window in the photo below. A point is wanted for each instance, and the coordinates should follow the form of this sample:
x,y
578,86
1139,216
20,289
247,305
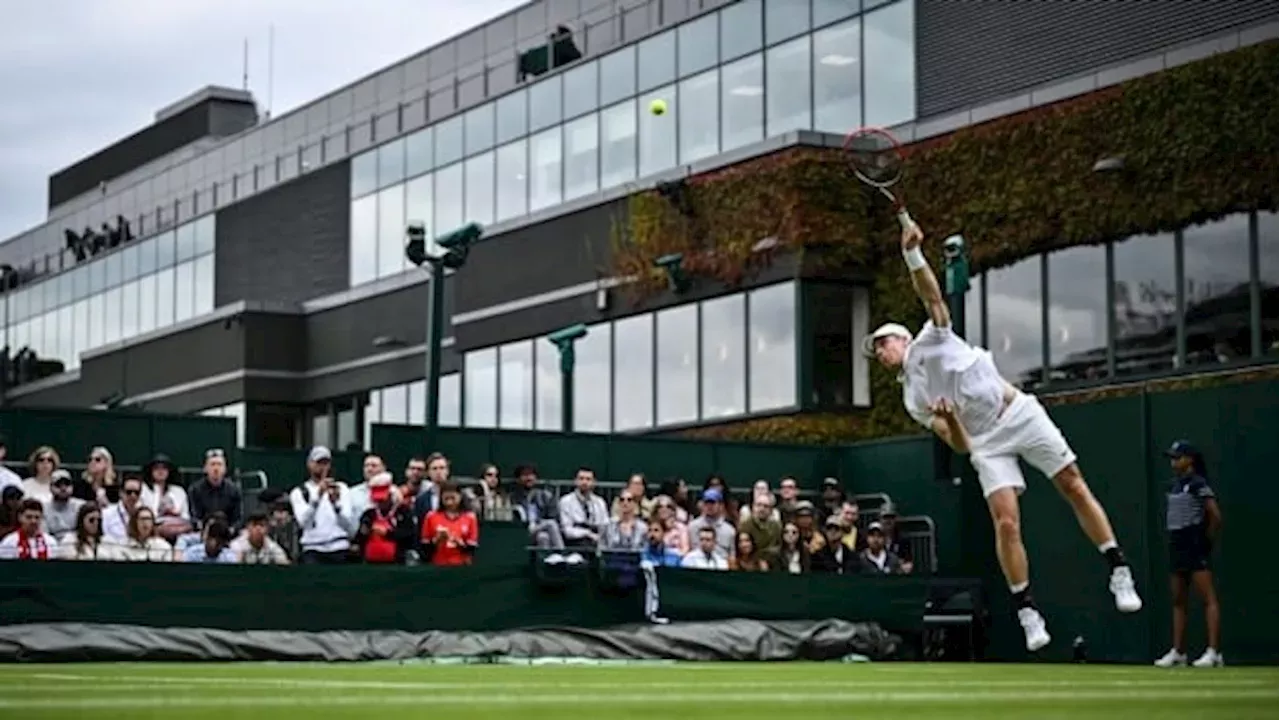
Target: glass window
x,y
698,45
480,383
513,116
699,107
657,135
186,244
889,48
128,310
114,274
1268,264
205,235
1077,314
973,313
785,19
547,385
80,321
1146,304
372,413
184,281
391,163
742,102
80,275
657,64
772,345
787,78
166,251
830,310
364,174
545,163
448,141
418,208
544,103
364,240
479,197
580,86
633,363
828,11
724,370
515,386
677,370
618,75
129,261
591,380
97,278
204,289
479,128
419,152
450,400
146,304
513,176
837,96
112,317
391,226
164,300
1216,307
448,196
321,429
618,144
417,403
581,157
1014,324
395,405
741,29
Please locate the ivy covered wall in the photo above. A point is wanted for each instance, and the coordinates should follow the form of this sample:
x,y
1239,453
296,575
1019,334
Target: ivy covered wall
x,y
1199,142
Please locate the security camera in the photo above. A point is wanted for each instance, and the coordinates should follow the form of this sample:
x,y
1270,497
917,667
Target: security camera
x,y
416,248
568,335
953,247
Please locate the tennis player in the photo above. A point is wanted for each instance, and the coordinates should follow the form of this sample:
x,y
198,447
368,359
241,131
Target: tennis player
x,y
954,389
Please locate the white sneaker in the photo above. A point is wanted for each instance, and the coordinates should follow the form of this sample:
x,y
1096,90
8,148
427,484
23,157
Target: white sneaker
x,y
1126,593
1033,625
1173,658
1210,658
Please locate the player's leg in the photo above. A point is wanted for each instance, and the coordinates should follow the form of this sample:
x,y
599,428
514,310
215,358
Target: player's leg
x,y
1177,655
1202,580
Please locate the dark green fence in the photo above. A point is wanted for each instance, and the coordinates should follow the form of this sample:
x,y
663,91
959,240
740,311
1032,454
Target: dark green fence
x,y
132,437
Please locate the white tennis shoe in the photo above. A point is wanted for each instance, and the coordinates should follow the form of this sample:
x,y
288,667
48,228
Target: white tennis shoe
x,y
1033,625
1173,658
1210,658
1126,592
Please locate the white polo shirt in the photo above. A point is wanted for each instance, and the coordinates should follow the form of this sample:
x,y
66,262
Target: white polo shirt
x,y
940,364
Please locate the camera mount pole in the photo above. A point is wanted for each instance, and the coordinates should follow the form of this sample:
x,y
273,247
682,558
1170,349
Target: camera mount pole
x,y
434,338
564,340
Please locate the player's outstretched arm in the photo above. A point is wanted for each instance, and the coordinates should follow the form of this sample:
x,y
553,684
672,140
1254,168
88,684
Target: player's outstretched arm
x,y
922,277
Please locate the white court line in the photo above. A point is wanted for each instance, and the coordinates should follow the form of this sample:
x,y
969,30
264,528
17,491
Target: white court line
x,y
422,700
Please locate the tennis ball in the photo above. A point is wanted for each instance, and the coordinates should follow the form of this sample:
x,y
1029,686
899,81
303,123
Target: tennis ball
x,y
658,107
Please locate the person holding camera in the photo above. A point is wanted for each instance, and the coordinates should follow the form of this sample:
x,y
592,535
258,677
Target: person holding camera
x,y
322,507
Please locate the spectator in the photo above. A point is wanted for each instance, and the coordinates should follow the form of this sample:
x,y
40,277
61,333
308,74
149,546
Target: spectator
x,y
322,507
876,559
808,533
583,514
28,541
730,513
656,551
450,534
644,505
892,543
215,548
765,530
789,496
834,557
85,543
713,517
414,471
628,531
489,501
372,467
166,498
537,507
674,532
849,520
678,491
10,508
8,478
386,531
283,528
747,559
708,555
117,516
793,557
429,496
196,537
214,493
61,510
98,482
257,547
41,464
761,487
832,499
141,544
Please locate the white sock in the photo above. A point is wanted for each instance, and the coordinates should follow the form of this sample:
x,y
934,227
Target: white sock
x,y
1104,547
1019,587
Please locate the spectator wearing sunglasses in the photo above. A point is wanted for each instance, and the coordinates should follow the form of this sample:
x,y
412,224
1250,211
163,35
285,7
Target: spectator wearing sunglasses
x,y
116,516
214,492
41,464
61,510
98,483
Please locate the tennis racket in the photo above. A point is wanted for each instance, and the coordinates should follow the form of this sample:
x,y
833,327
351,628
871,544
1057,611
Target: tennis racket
x,y
877,159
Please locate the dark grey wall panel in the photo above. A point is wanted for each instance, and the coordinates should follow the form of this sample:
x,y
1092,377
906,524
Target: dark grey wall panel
x,y
275,342
347,332
973,51
402,370
194,354
289,244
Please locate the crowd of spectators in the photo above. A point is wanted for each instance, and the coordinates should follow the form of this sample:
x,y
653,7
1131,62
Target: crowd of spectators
x,y
425,517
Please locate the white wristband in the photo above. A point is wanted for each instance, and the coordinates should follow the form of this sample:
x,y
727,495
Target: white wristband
x,y
904,219
914,259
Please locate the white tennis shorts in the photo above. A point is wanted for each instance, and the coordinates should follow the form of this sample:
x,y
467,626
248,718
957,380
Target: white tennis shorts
x,y
1023,431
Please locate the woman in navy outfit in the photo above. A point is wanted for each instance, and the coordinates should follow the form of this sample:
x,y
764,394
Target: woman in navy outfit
x,y
1193,521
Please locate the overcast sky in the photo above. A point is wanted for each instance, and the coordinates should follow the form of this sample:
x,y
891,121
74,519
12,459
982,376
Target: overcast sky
x,y
78,75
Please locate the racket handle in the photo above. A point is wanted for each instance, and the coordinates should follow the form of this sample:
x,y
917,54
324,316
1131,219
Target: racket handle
x,y
904,219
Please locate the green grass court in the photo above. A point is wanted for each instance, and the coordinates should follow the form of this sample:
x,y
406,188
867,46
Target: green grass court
x,y
736,691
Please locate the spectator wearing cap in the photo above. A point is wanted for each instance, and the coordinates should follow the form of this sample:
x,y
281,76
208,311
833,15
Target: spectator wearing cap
x,y
707,554
876,558
386,531
216,547
322,507
98,482
537,508
42,464
804,520
166,497
583,514
28,541
256,547
8,478
833,498
713,518
717,481
765,530
373,466
788,498
214,492
451,534
117,516
892,543
61,510
833,557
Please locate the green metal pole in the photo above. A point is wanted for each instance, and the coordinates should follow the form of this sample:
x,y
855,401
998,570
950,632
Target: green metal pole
x,y
566,386
435,332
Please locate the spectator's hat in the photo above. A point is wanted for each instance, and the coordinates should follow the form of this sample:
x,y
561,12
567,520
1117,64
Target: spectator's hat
x,y
831,483
833,522
319,453
269,495
712,495
11,492
1181,448
61,477
875,527
160,460
380,487
804,507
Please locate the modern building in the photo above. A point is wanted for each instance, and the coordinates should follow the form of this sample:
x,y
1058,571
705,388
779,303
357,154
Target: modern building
x,y
218,262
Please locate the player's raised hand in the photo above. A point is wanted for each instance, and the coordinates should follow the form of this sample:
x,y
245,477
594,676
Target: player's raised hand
x,y
911,236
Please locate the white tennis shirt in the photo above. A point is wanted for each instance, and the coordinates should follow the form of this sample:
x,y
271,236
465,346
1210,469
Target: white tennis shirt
x,y
940,364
